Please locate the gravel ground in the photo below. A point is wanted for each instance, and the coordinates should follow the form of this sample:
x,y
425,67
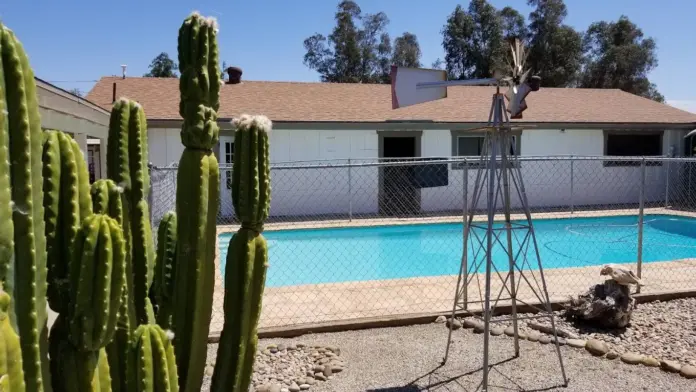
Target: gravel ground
x,y
407,359
665,330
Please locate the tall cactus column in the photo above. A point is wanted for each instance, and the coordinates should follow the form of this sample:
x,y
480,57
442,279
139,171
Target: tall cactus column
x,y
247,256
25,272
197,197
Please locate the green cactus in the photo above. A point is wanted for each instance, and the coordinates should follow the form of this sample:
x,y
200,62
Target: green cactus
x,y
25,280
97,273
163,283
127,167
197,197
106,199
67,202
10,353
155,364
247,256
74,370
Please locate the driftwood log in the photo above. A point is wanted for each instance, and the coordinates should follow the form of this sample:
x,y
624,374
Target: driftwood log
x,y
606,305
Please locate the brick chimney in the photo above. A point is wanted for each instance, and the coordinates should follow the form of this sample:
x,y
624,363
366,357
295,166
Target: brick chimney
x,y
234,75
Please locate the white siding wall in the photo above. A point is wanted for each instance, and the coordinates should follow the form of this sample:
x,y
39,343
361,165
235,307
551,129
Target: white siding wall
x,y
164,145
323,191
326,191
548,183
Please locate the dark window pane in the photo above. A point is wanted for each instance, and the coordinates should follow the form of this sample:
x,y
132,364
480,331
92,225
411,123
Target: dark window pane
x,y
469,146
634,145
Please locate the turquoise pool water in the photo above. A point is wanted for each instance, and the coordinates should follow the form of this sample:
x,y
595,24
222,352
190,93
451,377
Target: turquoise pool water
x,y
308,256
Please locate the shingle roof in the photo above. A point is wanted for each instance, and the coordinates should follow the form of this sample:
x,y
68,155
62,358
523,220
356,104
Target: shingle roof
x,y
342,102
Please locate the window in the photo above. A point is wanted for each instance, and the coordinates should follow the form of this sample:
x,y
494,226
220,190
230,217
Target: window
x,y
465,144
229,160
627,144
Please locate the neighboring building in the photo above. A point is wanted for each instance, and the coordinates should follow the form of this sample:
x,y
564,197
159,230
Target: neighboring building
x,y
324,121
85,121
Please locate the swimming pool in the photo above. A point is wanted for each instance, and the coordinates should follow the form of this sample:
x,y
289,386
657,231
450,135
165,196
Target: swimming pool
x,y
310,256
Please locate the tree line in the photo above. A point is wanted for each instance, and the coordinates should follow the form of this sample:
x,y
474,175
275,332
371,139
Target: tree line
x,y
609,54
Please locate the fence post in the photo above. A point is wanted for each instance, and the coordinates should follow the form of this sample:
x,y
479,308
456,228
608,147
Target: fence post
x,y
667,184
572,184
150,198
641,205
465,214
350,193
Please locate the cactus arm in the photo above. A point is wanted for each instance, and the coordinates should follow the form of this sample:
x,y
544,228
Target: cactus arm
x,y
247,257
194,275
117,162
102,379
118,281
54,239
84,198
6,226
97,280
106,199
163,282
247,263
197,197
10,352
153,354
29,289
142,261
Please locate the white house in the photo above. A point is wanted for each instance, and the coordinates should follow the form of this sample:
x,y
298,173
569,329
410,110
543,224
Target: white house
x,y
333,121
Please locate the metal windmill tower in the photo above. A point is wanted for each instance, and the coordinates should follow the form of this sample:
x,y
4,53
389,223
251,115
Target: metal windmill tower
x,y
506,248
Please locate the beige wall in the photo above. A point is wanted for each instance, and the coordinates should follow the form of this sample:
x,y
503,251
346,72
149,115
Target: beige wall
x,y
63,111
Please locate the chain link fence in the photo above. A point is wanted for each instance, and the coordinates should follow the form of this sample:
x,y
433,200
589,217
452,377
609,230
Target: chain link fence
x,y
352,239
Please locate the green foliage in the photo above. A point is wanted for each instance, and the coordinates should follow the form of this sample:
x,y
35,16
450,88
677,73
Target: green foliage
x,y
359,49
619,56
555,49
162,67
153,355
473,41
197,197
23,236
247,256
11,373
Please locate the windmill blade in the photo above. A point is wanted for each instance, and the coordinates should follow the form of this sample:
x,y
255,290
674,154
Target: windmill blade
x,y
523,78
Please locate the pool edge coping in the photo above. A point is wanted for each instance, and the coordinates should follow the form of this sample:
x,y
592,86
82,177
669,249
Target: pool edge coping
x,y
402,320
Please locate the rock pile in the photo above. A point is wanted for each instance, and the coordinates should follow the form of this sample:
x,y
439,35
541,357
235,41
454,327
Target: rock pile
x,y
294,368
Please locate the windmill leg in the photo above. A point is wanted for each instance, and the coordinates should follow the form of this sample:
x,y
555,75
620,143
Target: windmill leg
x,y
511,258
525,205
489,254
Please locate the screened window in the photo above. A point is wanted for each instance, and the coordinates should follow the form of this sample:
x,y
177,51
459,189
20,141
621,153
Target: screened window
x,y
623,144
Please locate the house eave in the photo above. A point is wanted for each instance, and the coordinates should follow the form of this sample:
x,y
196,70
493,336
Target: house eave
x,y
224,123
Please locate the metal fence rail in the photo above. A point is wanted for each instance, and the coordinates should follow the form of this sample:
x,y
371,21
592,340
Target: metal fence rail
x,y
354,248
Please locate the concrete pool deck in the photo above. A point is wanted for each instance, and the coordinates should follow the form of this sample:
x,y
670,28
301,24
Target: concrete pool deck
x,y
290,306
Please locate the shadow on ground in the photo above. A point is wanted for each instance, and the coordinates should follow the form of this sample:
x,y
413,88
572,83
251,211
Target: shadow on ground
x,y
435,380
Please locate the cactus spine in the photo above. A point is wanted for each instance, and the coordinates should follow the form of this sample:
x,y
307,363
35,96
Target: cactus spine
x,y
163,283
247,256
25,280
197,196
11,374
155,364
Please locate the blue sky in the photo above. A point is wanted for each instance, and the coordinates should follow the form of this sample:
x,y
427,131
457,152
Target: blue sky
x,y
72,42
